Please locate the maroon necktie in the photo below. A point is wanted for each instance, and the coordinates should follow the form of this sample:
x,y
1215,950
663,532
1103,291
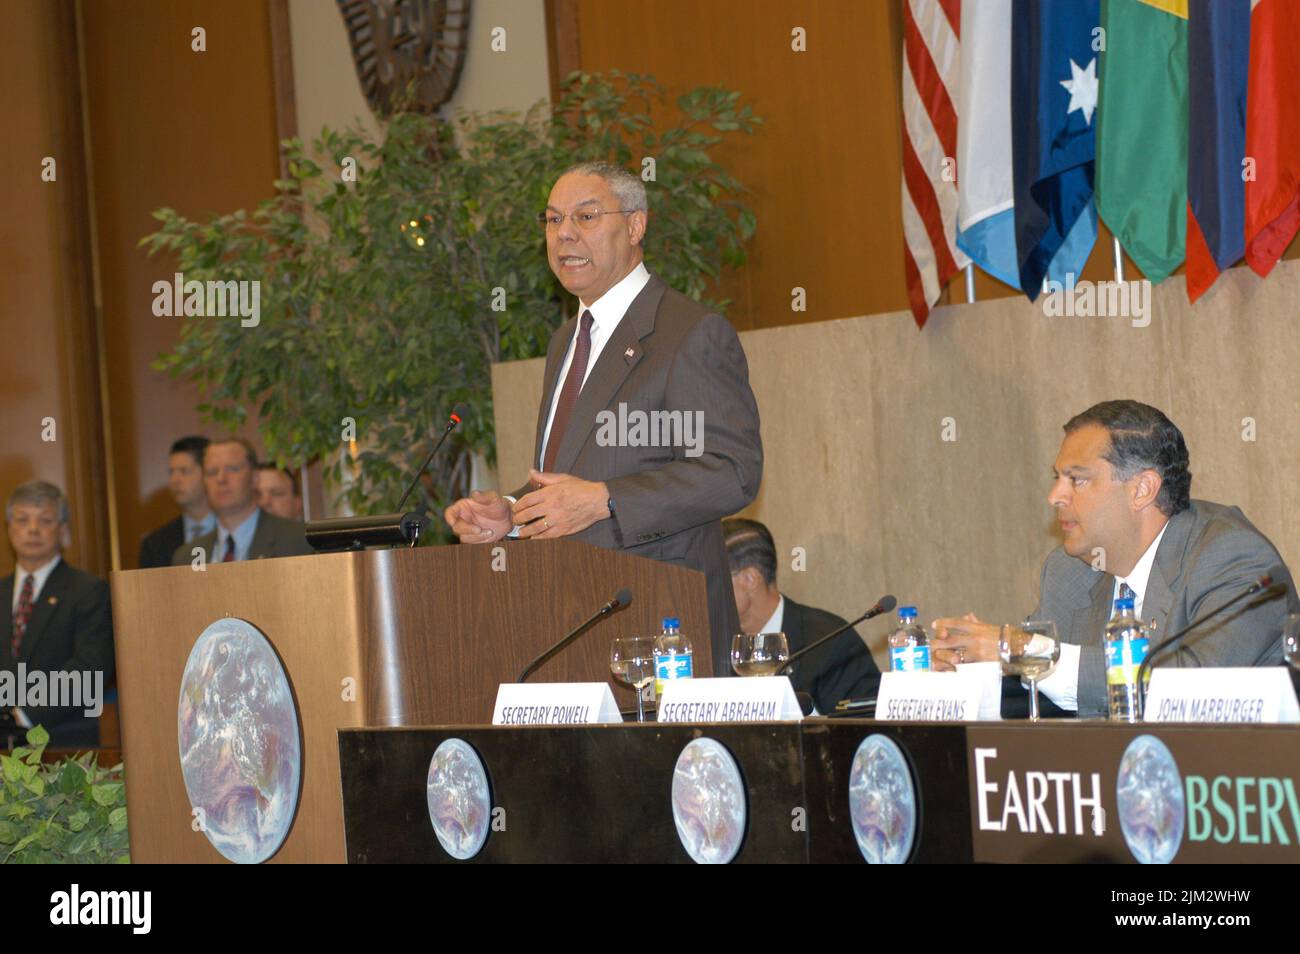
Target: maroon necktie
x,y
23,613
569,394
230,550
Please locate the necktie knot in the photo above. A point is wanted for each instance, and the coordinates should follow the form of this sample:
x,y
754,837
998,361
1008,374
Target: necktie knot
x,y
1126,592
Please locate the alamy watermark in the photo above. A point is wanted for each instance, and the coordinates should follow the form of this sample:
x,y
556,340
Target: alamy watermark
x,y
638,428
1098,300
37,689
212,299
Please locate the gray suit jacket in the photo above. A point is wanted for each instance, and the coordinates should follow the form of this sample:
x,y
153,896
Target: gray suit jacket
x,y
274,537
669,353
1209,554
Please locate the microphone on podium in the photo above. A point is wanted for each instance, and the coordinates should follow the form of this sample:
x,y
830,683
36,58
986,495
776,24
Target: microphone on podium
x,y
1272,584
621,599
385,529
883,605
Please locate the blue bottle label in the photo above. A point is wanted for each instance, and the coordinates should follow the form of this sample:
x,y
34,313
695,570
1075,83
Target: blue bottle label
x,y
909,659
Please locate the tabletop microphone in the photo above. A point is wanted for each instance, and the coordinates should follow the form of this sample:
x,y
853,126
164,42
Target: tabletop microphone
x,y
883,605
1272,582
621,599
385,529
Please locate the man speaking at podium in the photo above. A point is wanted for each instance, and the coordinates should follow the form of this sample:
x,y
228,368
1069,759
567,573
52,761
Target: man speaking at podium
x,y
636,349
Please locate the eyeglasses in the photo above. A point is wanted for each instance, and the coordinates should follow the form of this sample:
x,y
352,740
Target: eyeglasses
x,y
585,219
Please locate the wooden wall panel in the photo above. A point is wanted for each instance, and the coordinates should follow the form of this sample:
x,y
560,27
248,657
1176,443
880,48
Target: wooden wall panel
x,y
48,367
170,126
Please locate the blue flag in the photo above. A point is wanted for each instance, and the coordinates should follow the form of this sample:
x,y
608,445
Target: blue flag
x,y
1218,59
1053,145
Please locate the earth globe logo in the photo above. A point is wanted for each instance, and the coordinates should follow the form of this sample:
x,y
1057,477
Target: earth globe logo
x,y
882,801
1150,799
460,802
709,807
240,746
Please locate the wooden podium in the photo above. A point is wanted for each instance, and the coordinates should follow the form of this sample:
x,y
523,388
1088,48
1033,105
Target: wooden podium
x,y
374,638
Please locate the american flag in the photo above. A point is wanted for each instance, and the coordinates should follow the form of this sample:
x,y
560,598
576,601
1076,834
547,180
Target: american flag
x,y
931,74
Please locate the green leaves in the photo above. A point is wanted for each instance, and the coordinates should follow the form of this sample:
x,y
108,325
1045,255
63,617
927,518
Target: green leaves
x,y
365,315
53,812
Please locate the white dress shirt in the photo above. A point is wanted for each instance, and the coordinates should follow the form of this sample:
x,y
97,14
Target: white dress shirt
x,y
777,619
606,312
1061,685
41,575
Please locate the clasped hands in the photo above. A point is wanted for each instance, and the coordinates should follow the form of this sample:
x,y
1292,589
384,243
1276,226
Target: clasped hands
x,y
962,639
560,506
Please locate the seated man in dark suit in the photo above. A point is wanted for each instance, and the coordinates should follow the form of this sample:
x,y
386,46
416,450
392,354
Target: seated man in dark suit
x,y
185,481
244,532
1122,495
841,669
59,623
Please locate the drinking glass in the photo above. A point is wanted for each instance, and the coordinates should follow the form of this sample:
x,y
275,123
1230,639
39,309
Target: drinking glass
x,y
1291,641
1030,649
758,654
632,661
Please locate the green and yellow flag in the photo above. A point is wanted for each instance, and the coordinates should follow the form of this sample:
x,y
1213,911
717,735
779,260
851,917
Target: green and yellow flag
x,y
1141,183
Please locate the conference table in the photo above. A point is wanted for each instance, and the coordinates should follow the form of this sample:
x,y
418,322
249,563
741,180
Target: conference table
x,y
823,790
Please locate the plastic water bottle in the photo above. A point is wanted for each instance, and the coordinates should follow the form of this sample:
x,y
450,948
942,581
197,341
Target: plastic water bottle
x,y
673,656
909,645
1125,644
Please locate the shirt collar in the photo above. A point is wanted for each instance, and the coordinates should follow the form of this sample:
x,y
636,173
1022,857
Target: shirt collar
x,y
1141,572
243,535
608,310
196,528
777,620
39,576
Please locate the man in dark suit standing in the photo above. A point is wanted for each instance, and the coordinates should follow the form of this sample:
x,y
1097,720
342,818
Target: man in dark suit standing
x,y
243,532
185,481
841,669
647,434
1122,495
59,622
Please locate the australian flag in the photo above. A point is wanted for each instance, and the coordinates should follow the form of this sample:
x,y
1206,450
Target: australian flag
x,y
1053,146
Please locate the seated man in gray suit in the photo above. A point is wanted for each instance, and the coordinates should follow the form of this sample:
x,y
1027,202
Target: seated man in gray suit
x,y
637,351
244,532
1122,499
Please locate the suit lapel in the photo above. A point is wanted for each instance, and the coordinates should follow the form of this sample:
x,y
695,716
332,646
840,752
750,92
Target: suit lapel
x,y
43,608
7,616
1091,621
1158,601
560,345
620,355
263,536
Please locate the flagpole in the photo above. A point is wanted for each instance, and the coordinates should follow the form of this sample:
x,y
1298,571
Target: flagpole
x,y
970,283
1119,261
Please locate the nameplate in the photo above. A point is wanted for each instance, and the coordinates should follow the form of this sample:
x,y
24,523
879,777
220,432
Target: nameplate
x,y
1228,695
933,697
555,703
742,699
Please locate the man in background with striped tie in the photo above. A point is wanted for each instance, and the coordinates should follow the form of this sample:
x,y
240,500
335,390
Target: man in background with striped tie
x,y
58,621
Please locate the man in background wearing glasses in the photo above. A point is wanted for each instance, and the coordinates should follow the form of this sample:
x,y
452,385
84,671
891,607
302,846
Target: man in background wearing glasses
x,y
635,345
